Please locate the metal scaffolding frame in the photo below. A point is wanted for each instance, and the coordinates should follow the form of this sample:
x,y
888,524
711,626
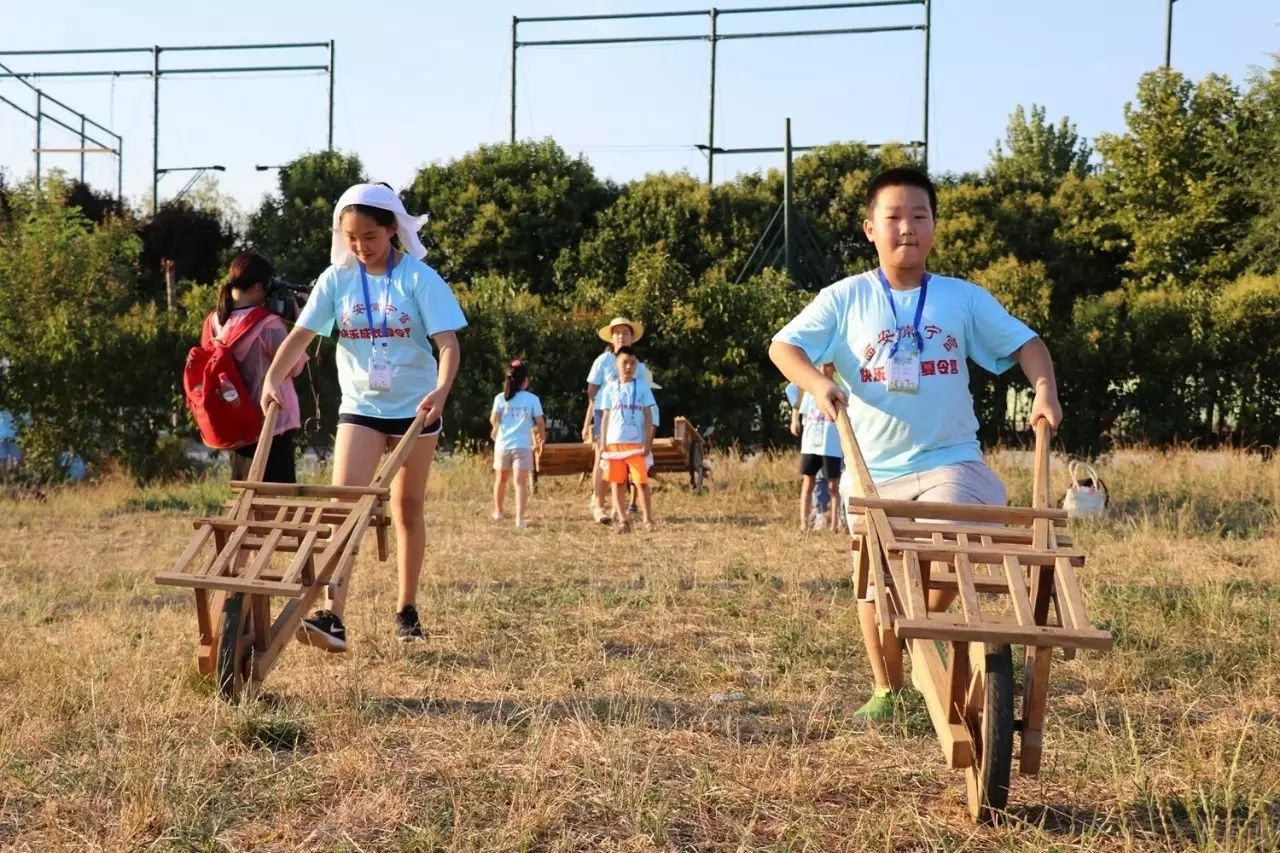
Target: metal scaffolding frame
x,y
40,116
713,37
156,72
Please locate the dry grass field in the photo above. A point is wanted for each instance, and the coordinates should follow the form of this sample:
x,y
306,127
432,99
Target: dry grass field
x,y
571,694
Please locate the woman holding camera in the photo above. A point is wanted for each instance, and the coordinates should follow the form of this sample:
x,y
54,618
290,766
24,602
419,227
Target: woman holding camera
x,y
241,303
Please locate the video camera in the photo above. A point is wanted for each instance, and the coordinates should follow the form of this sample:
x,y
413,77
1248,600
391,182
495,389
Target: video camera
x,y
283,298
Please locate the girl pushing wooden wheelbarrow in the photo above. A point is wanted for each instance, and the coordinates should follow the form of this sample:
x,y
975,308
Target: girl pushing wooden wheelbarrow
x,y
925,506
387,308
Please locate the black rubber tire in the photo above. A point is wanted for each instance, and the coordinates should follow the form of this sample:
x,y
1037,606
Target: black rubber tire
x,y
989,777
229,672
697,472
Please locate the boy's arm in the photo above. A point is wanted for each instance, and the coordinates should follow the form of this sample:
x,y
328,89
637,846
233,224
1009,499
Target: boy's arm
x,y
604,427
648,430
795,365
1036,363
796,427
592,390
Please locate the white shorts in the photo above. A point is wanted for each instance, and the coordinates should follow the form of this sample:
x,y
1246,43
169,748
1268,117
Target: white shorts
x,y
517,458
959,483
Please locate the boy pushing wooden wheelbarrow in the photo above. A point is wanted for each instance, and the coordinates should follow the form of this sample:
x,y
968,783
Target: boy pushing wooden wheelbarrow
x,y
923,498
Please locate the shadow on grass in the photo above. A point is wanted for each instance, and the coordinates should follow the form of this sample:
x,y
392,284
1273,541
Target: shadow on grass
x,y
1199,515
741,579
1193,820
744,722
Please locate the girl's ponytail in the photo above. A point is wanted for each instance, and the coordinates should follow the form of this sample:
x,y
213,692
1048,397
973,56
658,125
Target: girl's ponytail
x,y
517,373
245,271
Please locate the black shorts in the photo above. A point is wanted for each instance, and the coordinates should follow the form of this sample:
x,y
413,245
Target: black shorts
x,y
812,463
280,460
390,426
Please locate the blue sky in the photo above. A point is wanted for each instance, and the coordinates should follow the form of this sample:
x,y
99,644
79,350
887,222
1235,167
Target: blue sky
x,y
419,82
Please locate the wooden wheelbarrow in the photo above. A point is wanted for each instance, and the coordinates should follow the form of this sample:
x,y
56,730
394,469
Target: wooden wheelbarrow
x,y
275,540
680,454
1010,567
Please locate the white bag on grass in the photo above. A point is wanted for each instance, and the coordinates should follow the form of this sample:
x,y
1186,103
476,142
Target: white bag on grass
x,y
1087,495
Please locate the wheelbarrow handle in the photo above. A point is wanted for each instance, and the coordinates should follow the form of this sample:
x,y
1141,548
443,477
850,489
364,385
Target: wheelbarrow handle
x,y
259,465
853,455
1040,476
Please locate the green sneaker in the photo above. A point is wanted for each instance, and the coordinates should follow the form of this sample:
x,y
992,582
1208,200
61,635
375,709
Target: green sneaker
x,y
878,709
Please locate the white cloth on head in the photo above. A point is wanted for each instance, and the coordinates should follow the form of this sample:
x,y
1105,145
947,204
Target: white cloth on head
x,y
376,195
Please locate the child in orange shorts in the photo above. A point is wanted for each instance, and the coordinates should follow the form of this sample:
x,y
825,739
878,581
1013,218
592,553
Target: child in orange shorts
x,y
626,437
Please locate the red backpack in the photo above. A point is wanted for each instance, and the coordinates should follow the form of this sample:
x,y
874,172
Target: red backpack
x,y
216,394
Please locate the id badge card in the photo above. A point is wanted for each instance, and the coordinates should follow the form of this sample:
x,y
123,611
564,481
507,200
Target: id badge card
x,y
904,372
379,369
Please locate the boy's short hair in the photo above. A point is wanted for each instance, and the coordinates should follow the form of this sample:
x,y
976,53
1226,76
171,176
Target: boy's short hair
x,y
901,176
624,351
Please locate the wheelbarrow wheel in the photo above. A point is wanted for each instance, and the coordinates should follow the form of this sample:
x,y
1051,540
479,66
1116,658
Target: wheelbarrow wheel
x,y
697,472
990,718
233,649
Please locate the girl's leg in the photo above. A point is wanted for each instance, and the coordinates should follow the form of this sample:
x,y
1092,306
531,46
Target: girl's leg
x,y
806,497
522,495
833,483
408,500
356,453
500,492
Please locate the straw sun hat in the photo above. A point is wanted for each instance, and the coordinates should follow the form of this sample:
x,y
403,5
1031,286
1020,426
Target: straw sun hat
x,y
606,331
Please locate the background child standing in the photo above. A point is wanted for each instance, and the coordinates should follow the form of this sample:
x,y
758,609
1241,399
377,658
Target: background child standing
x,y
518,426
626,437
620,332
820,453
244,290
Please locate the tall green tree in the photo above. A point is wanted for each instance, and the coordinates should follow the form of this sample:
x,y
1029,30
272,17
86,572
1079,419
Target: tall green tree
x,y
89,370
293,226
1261,108
1175,181
507,209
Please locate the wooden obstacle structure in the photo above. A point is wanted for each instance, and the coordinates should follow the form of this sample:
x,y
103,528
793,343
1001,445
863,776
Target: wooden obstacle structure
x,y
1010,566
682,453
238,562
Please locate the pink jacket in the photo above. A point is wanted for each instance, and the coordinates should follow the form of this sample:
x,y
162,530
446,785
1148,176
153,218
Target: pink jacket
x,y
253,354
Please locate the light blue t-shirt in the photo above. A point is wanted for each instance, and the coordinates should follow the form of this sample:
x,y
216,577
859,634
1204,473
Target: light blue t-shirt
x,y
850,323
820,436
605,370
515,420
792,391
416,303
625,403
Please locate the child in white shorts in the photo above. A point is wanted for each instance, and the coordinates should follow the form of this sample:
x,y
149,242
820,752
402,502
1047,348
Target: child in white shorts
x,y
518,426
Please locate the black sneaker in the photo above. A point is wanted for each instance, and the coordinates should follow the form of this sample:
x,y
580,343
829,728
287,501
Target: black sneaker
x,y
408,628
324,630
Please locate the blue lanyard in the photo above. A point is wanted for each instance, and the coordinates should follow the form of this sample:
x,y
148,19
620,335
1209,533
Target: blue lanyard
x,y
368,309
915,324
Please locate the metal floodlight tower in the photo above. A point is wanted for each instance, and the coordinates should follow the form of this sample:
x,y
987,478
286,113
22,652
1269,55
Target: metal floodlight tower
x,y
714,37
1168,32
40,116
156,72
198,170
